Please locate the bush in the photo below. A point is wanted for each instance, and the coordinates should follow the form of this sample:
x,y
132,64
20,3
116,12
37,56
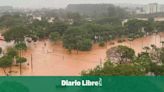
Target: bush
x,y
54,36
12,52
86,45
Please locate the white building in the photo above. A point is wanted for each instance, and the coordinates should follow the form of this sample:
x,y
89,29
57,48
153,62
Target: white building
x,y
37,18
152,8
51,19
161,7
140,10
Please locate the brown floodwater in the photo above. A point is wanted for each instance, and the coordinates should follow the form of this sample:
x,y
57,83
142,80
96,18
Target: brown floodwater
x,y
54,60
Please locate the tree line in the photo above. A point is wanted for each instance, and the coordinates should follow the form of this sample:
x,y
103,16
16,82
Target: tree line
x,y
78,34
123,61
13,56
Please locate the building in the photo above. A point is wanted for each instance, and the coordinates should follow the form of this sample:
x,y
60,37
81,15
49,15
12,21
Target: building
x,y
37,18
152,8
143,9
140,10
51,20
161,7
159,19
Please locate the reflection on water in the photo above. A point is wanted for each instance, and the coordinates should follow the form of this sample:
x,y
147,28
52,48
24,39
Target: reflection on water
x,y
53,59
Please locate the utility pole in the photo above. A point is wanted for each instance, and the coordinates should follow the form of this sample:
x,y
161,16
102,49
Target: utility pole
x,y
101,63
31,63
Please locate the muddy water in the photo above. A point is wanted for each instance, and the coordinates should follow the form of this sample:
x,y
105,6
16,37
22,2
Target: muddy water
x,y
54,60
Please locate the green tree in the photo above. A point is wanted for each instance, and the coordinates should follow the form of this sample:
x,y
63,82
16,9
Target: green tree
x,y
157,70
76,39
160,26
5,62
134,26
16,34
114,70
20,60
86,45
20,47
54,36
58,27
12,52
12,20
162,55
144,60
39,29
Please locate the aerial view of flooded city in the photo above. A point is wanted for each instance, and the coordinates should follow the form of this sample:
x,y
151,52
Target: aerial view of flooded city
x,y
71,38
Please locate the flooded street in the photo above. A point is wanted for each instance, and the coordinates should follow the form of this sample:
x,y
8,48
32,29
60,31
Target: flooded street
x,y
54,60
